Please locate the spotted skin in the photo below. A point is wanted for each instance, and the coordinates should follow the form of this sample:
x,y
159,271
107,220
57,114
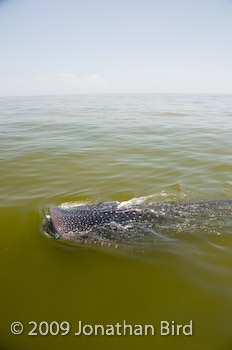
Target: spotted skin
x,y
111,223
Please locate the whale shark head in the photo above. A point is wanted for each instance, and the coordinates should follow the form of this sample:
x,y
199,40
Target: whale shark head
x,y
68,224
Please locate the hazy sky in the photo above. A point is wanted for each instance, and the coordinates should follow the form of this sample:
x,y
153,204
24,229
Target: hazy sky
x,y
95,46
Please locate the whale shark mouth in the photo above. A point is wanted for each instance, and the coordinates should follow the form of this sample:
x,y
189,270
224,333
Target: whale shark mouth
x,y
54,218
50,225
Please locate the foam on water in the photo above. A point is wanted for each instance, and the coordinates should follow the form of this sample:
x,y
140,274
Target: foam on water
x,y
67,205
135,201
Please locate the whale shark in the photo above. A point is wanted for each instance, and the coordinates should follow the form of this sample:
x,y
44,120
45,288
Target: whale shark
x,y
111,223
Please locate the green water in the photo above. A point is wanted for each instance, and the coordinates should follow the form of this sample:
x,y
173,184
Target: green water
x,y
95,148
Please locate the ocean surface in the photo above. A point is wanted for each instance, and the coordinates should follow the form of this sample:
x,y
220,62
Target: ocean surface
x,y
139,148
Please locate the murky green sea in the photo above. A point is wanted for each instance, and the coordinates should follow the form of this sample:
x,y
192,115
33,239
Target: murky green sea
x,y
93,148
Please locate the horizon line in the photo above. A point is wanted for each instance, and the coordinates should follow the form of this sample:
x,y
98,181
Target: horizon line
x,y
119,93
